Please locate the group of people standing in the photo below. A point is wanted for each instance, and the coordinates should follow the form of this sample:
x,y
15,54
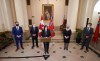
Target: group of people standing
x,y
17,32
86,37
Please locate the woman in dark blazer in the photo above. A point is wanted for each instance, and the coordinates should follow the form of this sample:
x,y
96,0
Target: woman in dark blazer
x,y
45,34
67,33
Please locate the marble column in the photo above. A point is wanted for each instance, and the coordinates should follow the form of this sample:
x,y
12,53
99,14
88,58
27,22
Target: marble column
x,y
21,13
72,14
6,15
1,18
13,11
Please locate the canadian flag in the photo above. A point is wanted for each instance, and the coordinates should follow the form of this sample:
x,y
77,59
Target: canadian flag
x,y
51,24
41,23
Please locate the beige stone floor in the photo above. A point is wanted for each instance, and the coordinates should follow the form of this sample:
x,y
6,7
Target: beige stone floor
x,y
73,54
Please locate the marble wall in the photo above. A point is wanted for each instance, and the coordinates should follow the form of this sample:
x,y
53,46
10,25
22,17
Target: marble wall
x,y
76,12
60,10
59,7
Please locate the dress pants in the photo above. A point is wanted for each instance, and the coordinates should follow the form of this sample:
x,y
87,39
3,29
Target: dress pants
x,y
66,45
35,39
46,47
86,42
17,41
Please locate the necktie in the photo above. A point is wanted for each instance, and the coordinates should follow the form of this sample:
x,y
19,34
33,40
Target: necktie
x,y
88,28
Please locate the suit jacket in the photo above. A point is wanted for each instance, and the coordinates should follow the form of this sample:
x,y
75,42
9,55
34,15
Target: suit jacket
x,y
44,33
16,32
32,31
87,32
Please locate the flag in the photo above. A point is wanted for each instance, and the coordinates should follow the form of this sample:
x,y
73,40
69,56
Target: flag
x,y
64,23
51,24
41,23
96,34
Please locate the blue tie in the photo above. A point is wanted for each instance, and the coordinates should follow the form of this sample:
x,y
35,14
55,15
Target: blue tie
x,y
88,28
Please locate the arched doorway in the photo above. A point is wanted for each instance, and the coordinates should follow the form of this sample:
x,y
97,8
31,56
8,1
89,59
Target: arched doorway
x,y
96,14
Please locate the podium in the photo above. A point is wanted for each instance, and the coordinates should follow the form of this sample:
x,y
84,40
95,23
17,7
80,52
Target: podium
x,y
43,39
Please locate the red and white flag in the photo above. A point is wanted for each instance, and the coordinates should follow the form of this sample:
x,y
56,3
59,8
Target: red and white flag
x,y
96,33
51,24
41,23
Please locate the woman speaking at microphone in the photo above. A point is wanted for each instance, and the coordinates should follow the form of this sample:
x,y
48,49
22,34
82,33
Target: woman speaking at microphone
x,y
46,34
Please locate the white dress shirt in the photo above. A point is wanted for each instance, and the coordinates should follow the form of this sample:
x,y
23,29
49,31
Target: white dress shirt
x,y
17,27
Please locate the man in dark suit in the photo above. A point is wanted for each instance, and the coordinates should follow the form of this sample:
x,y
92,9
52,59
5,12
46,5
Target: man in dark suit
x,y
45,34
87,35
34,34
17,32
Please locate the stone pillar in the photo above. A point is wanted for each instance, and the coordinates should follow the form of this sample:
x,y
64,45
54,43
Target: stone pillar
x,y
6,15
81,21
1,18
72,14
13,11
21,13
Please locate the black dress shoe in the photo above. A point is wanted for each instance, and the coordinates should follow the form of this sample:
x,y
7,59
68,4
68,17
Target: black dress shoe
x,y
22,48
87,50
47,52
17,49
66,48
32,47
81,48
37,46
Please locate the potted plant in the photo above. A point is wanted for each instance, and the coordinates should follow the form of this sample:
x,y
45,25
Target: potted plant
x,y
78,36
